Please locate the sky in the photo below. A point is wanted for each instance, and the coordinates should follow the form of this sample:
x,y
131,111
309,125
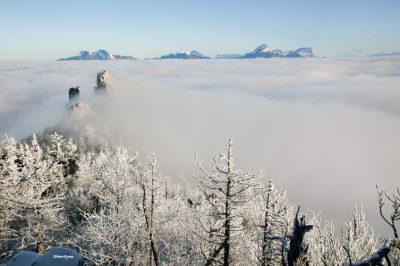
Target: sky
x,y
49,30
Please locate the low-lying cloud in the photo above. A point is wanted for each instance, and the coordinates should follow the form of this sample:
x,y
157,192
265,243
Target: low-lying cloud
x,y
327,130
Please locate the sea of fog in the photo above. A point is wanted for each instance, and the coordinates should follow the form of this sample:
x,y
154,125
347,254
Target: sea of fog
x,y
327,130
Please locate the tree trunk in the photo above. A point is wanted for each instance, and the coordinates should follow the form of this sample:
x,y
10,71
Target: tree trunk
x,y
40,246
265,235
150,218
40,243
296,248
227,234
147,219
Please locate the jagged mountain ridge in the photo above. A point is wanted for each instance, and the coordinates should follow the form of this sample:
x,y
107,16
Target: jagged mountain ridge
x,y
263,51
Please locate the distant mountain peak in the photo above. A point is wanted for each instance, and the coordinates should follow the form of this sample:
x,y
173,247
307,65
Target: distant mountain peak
x,y
194,52
98,55
263,48
184,55
103,55
305,52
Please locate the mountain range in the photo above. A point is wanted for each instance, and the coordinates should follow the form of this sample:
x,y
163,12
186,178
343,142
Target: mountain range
x,y
262,51
98,55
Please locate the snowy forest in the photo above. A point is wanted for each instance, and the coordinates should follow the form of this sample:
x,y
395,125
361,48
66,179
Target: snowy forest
x,y
114,209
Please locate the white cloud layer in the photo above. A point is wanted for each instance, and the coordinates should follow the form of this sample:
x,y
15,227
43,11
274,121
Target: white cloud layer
x,y
325,129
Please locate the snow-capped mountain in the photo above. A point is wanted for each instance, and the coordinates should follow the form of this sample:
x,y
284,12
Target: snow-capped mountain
x,y
304,52
98,55
263,51
184,55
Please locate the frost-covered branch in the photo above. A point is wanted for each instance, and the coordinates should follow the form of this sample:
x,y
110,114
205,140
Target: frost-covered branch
x,y
395,202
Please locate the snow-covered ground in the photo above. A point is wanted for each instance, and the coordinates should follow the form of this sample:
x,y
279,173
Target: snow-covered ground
x,y
327,130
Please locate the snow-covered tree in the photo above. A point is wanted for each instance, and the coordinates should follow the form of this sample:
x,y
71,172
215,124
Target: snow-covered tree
x,y
226,191
106,177
34,194
358,237
112,237
9,178
356,241
124,213
176,242
108,194
63,152
271,225
41,193
325,247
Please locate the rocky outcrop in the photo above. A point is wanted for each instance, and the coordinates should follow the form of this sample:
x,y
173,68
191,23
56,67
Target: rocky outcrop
x,y
103,80
73,94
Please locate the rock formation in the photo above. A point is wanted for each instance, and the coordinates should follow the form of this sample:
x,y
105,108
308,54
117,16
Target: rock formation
x,y
74,94
79,106
103,80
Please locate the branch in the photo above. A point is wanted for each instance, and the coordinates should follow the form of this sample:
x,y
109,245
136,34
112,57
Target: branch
x,y
348,254
376,258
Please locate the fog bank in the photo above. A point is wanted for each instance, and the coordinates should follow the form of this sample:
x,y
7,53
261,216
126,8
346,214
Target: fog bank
x,y
327,130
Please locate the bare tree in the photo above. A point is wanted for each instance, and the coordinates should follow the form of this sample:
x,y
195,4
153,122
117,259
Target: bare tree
x,y
394,200
392,219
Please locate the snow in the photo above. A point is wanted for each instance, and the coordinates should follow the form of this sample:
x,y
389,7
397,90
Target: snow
x,y
102,55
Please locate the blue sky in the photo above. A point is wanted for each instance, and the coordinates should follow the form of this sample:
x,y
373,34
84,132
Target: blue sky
x,y
44,29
